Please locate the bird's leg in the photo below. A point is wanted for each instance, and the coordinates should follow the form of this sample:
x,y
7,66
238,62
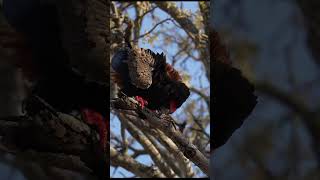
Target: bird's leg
x,y
94,118
141,101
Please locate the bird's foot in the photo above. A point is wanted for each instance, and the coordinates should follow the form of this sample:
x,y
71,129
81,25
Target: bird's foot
x,y
96,119
141,101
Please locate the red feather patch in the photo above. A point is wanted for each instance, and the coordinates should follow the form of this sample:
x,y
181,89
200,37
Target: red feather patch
x,y
173,106
94,118
172,73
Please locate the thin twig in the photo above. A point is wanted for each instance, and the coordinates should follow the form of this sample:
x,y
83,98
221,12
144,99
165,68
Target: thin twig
x,y
132,165
153,28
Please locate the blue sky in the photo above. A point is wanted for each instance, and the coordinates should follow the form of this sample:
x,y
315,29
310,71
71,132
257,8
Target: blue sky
x,y
192,68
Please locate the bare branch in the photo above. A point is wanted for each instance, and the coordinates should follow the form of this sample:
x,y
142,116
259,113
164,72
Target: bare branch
x,y
200,39
132,165
309,118
196,120
148,146
201,94
205,11
152,29
172,147
165,125
164,140
64,142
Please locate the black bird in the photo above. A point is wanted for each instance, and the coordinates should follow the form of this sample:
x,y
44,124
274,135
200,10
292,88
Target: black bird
x,y
147,76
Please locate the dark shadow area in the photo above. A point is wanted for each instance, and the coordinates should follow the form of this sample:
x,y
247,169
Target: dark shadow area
x,y
54,90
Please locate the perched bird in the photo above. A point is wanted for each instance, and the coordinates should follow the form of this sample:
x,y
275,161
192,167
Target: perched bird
x,y
46,58
233,95
145,75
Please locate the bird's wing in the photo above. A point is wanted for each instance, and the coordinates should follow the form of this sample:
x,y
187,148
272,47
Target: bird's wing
x,y
140,65
84,26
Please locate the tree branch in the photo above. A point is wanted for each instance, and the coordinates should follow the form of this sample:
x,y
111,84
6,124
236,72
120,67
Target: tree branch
x,y
62,141
309,118
164,124
203,95
153,28
164,140
132,165
148,146
200,39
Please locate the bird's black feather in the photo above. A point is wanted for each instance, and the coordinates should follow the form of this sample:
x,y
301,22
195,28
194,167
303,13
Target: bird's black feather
x,y
233,100
163,88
